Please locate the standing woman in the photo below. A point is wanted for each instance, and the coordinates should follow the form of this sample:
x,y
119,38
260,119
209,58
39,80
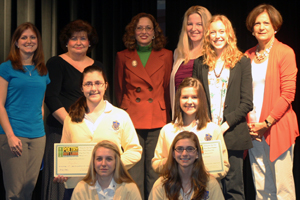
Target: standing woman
x,y
272,123
23,81
226,77
77,39
184,176
189,47
142,77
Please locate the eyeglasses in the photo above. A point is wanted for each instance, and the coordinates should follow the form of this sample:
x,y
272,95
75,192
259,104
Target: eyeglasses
x,y
147,29
188,149
90,84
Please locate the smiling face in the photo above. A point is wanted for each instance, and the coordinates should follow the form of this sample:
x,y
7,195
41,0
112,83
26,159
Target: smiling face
x,y
189,101
105,162
27,43
93,87
194,27
144,31
185,159
78,43
218,36
263,29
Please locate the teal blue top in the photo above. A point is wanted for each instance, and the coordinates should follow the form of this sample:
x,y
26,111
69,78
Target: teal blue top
x,y
144,53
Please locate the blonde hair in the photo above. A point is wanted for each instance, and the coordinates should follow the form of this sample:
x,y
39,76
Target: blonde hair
x,y
120,174
231,55
185,44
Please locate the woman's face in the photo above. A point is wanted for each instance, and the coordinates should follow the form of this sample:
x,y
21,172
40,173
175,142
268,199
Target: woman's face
x,y
218,36
194,27
78,43
144,31
185,158
93,87
263,29
28,42
189,101
105,162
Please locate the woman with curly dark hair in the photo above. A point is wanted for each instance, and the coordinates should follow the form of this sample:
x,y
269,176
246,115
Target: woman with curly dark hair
x,y
142,77
77,39
185,176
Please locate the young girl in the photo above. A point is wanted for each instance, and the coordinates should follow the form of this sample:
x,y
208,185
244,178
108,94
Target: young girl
x,y
107,177
185,176
190,115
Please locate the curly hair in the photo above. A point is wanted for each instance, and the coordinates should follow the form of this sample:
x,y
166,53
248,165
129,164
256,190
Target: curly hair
x,y
231,55
38,57
274,15
78,26
185,44
171,178
79,108
201,113
120,174
129,38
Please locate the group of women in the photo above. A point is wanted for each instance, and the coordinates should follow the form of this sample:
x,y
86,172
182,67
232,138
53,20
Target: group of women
x,y
215,92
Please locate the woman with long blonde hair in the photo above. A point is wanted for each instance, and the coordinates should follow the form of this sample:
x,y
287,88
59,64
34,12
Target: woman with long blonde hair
x,y
189,47
226,77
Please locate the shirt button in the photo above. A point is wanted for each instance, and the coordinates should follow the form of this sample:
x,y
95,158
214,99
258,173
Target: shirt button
x,y
138,100
150,88
150,100
138,89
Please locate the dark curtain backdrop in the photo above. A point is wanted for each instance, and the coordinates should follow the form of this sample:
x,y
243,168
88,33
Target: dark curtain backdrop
x,y
110,18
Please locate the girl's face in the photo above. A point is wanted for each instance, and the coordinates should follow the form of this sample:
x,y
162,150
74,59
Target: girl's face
x,y
218,36
194,27
105,162
93,87
185,152
189,101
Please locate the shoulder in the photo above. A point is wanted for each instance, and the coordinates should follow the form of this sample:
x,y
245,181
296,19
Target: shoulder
x,y
158,184
98,63
168,127
127,187
212,183
213,126
6,65
250,51
282,49
6,70
55,59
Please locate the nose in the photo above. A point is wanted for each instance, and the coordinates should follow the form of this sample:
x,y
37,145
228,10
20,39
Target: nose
x,y
189,100
144,30
103,162
262,26
193,27
184,152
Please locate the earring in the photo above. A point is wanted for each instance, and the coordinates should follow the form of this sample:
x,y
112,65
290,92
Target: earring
x,y
153,37
253,33
17,46
89,45
66,45
275,32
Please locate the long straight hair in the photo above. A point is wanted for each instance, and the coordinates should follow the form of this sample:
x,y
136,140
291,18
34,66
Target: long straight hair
x,y
171,179
14,54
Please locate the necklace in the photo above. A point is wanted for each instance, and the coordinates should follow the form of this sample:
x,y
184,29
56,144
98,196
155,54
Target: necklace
x,y
29,71
262,56
218,75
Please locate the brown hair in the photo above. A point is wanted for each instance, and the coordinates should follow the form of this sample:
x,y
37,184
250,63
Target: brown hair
x,y
129,37
38,57
231,55
78,26
120,174
171,178
201,113
274,15
184,44
79,108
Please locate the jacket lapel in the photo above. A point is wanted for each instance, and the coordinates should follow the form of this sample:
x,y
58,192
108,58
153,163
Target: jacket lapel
x,y
154,62
135,65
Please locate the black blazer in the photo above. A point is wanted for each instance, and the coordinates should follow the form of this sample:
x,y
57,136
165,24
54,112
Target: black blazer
x,y
238,101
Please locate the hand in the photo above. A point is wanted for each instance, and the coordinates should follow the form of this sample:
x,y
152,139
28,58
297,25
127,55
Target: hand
x,y
60,179
257,130
224,127
15,145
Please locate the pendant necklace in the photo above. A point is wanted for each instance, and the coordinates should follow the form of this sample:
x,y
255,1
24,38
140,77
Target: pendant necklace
x,y
29,71
218,75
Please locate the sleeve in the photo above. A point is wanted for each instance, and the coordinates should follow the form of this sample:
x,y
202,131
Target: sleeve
x,y
157,191
168,69
55,71
196,69
130,143
288,75
246,94
66,135
219,136
159,154
133,193
214,190
5,71
79,192
119,80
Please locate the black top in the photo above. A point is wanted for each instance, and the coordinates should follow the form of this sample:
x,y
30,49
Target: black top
x,y
64,88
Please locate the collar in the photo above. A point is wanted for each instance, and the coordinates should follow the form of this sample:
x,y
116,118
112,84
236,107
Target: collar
x,y
144,48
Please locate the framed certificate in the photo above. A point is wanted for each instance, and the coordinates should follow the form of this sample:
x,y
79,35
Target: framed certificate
x,y
72,159
212,156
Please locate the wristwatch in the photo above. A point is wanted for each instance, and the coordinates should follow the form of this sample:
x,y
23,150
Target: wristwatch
x,y
268,123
